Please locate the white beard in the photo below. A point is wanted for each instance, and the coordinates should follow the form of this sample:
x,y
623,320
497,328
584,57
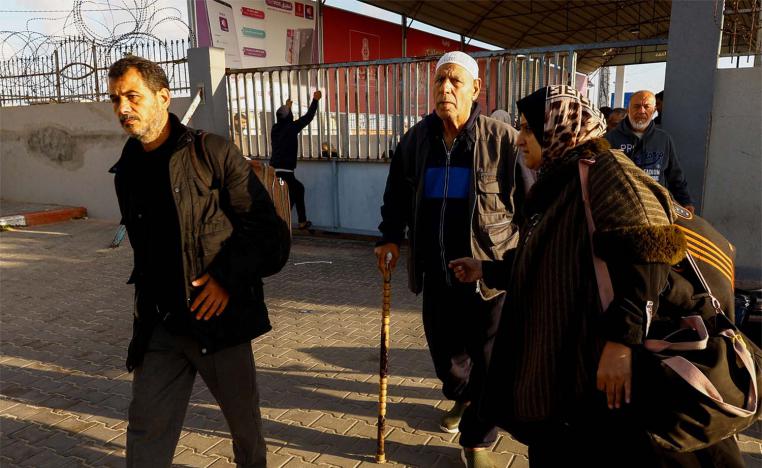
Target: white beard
x,y
640,126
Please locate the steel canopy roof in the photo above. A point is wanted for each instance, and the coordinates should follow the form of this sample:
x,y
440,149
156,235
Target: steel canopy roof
x,y
521,24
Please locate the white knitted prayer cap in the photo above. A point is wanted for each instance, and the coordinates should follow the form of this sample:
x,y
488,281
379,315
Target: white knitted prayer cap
x,y
462,59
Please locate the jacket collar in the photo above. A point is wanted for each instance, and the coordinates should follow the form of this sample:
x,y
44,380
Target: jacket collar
x,y
184,137
436,126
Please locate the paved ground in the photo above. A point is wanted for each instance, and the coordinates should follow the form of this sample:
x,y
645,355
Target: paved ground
x,y
66,318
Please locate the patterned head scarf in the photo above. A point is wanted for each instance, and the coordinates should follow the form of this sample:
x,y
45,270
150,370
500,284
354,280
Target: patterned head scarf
x,y
570,119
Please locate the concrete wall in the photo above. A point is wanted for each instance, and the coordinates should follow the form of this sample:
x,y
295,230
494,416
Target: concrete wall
x,y
360,191
733,185
61,153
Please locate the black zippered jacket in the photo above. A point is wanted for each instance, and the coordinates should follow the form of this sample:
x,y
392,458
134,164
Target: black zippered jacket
x,y
493,195
228,228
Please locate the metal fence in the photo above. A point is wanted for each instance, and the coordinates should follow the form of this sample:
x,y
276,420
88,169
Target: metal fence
x,y
368,106
77,69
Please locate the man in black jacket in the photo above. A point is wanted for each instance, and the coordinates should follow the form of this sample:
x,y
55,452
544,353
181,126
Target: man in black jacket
x,y
451,187
204,232
285,140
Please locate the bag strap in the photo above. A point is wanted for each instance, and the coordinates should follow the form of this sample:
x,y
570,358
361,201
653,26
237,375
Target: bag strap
x,y
605,288
715,303
696,379
217,172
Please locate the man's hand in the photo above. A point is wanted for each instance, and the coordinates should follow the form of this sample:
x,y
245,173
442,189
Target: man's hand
x,y
317,95
690,208
381,252
212,300
615,373
467,270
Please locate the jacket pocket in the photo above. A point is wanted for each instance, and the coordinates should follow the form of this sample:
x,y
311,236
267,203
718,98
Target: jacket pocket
x,y
499,231
488,193
487,182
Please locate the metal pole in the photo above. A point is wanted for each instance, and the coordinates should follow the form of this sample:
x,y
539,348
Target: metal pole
x,y
239,124
417,93
95,72
378,111
265,126
428,84
309,127
246,109
386,110
328,99
573,67
404,36
319,27
299,107
256,112
58,75
230,108
346,111
367,111
318,81
357,109
337,92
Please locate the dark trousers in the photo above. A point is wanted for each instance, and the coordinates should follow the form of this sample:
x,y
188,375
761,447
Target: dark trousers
x,y
295,193
602,438
460,330
161,389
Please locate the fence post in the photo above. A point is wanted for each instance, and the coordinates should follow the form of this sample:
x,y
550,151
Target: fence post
x,y
58,76
95,72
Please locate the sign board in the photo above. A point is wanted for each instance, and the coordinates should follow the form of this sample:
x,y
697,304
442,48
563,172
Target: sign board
x,y
259,33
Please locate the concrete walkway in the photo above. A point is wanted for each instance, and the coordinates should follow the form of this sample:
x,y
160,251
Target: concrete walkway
x,y
66,322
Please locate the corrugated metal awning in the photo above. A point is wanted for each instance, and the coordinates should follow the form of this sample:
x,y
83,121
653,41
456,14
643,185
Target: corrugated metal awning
x,y
533,23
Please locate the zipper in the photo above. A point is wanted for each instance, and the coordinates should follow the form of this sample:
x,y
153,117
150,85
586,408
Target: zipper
x,y
501,223
183,243
444,206
534,220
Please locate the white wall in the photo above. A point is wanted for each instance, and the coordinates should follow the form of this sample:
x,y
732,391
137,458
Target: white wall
x,y
61,153
733,186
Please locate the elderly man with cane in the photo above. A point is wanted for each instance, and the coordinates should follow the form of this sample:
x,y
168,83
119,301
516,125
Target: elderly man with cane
x,y
451,186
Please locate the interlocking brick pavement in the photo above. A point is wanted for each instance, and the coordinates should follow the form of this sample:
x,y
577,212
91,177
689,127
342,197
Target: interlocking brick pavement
x,y
66,321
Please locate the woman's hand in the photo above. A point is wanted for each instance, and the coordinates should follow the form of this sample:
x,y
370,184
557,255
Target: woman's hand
x,y
467,270
615,373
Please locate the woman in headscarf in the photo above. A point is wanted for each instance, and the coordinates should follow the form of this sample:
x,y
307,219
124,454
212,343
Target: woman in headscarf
x,y
560,374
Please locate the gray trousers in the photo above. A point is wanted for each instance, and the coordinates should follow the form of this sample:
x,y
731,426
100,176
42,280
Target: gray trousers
x,y
161,389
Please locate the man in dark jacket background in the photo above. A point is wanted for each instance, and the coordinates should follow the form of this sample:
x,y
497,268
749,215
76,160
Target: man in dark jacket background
x,y
650,147
204,232
285,141
451,186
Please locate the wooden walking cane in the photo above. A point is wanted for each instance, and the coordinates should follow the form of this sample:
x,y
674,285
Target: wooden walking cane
x,y
384,368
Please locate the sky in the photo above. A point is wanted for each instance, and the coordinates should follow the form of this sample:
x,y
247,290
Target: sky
x,y
49,17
